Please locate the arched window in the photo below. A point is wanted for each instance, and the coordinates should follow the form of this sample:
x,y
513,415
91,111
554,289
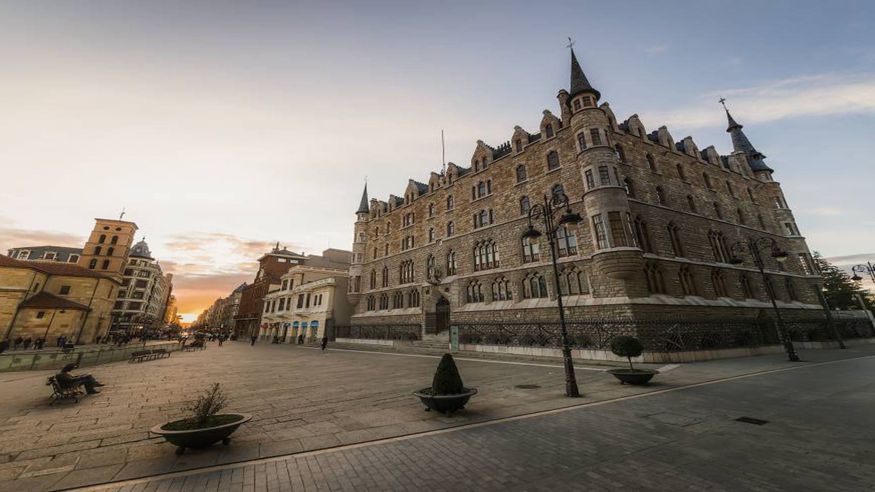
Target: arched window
x,y
101,239
406,271
451,228
372,305
373,283
680,170
521,173
707,181
449,202
630,188
691,204
675,239
385,276
474,292
531,250
791,289
651,163
109,251
718,246
451,263
92,264
653,276
719,283
481,189
571,281
524,205
431,234
104,265
620,153
660,195
688,283
113,240
501,289
431,209
485,255
548,130
534,286
97,250
746,287
397,300
384,301
552,160
718,211
413,298
642,235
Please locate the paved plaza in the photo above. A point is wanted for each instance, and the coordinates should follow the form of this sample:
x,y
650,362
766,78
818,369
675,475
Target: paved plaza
x,y
306,400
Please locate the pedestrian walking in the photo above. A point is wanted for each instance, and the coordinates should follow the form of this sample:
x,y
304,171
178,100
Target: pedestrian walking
x,y
324,342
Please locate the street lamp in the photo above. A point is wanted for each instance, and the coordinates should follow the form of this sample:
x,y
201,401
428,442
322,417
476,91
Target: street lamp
x,y
755,247
552,205
868,268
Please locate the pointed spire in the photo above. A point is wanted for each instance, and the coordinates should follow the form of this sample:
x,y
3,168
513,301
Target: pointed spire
x,y
740,143
579,82
363,205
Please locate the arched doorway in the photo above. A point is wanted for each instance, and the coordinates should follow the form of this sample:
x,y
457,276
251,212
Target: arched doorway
x,y
442,315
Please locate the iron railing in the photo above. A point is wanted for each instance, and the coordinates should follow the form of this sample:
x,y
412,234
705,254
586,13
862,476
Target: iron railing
x,y
407,332
656,335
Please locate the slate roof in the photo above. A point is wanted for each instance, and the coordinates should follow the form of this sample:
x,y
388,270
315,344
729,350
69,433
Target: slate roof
x,y
740,143
51,301
579,82
363,204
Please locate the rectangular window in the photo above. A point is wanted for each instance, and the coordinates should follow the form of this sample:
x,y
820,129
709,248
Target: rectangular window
x,y
282,303
65,290
41,315
581,140
595,136
590,182
604,176
618,236
598,228
301,300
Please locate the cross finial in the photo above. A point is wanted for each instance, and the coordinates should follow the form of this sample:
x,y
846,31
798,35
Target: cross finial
x,y
722,101
570,43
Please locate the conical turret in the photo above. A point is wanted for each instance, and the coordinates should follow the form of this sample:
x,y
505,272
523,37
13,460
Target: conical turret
x,y
740,143
363,205
579,83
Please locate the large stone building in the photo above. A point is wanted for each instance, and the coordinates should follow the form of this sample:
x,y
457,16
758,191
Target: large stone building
x,y
143,297
660,218
311,300
52,299
108,245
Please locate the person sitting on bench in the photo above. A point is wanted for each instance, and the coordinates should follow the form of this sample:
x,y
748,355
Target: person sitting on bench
x,y
68,380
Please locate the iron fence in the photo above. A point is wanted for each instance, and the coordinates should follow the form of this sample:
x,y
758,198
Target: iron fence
x,y
406,332
656,335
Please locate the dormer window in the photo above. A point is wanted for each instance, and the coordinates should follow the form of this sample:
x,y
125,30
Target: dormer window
x,y
518,145
548,130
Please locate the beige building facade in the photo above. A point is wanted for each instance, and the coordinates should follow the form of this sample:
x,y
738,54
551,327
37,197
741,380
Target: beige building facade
x,y
49,300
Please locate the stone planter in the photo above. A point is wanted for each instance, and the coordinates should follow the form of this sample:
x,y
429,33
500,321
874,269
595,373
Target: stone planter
x,y
201,438
444,403
634,376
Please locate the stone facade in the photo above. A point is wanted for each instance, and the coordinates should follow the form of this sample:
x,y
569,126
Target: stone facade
x,y
143,297
49,299
107,247
663,227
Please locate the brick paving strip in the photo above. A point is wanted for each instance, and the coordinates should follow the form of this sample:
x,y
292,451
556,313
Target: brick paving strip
x,y
303,400
529,451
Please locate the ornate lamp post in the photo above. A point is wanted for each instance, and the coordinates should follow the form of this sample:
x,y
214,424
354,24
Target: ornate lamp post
x,y
868,268
755,247
551,206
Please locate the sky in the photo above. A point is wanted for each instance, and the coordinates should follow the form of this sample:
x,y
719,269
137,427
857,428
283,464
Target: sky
x,y
225,127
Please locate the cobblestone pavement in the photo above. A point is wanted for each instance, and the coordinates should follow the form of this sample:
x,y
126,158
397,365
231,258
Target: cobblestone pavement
x,y
302,400
819,436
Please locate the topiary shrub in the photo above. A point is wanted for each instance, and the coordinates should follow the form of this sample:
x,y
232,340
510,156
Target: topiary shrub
x,y
628,347
447,380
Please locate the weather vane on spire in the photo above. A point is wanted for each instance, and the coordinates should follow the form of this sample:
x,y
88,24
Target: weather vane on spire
x,y
122,215
570,43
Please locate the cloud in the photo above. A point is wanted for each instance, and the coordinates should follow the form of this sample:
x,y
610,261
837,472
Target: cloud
x,y
823,211
12,237
850,260
818,95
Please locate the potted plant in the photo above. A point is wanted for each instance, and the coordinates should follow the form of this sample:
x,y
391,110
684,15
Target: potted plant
x,y
205,426
446,393
626,346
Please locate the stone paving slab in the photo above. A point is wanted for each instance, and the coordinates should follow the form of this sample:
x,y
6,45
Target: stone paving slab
x,y
302,400
818,437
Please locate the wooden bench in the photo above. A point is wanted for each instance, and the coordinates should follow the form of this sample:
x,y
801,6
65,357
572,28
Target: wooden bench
x,y
60,392
141,355
194,346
